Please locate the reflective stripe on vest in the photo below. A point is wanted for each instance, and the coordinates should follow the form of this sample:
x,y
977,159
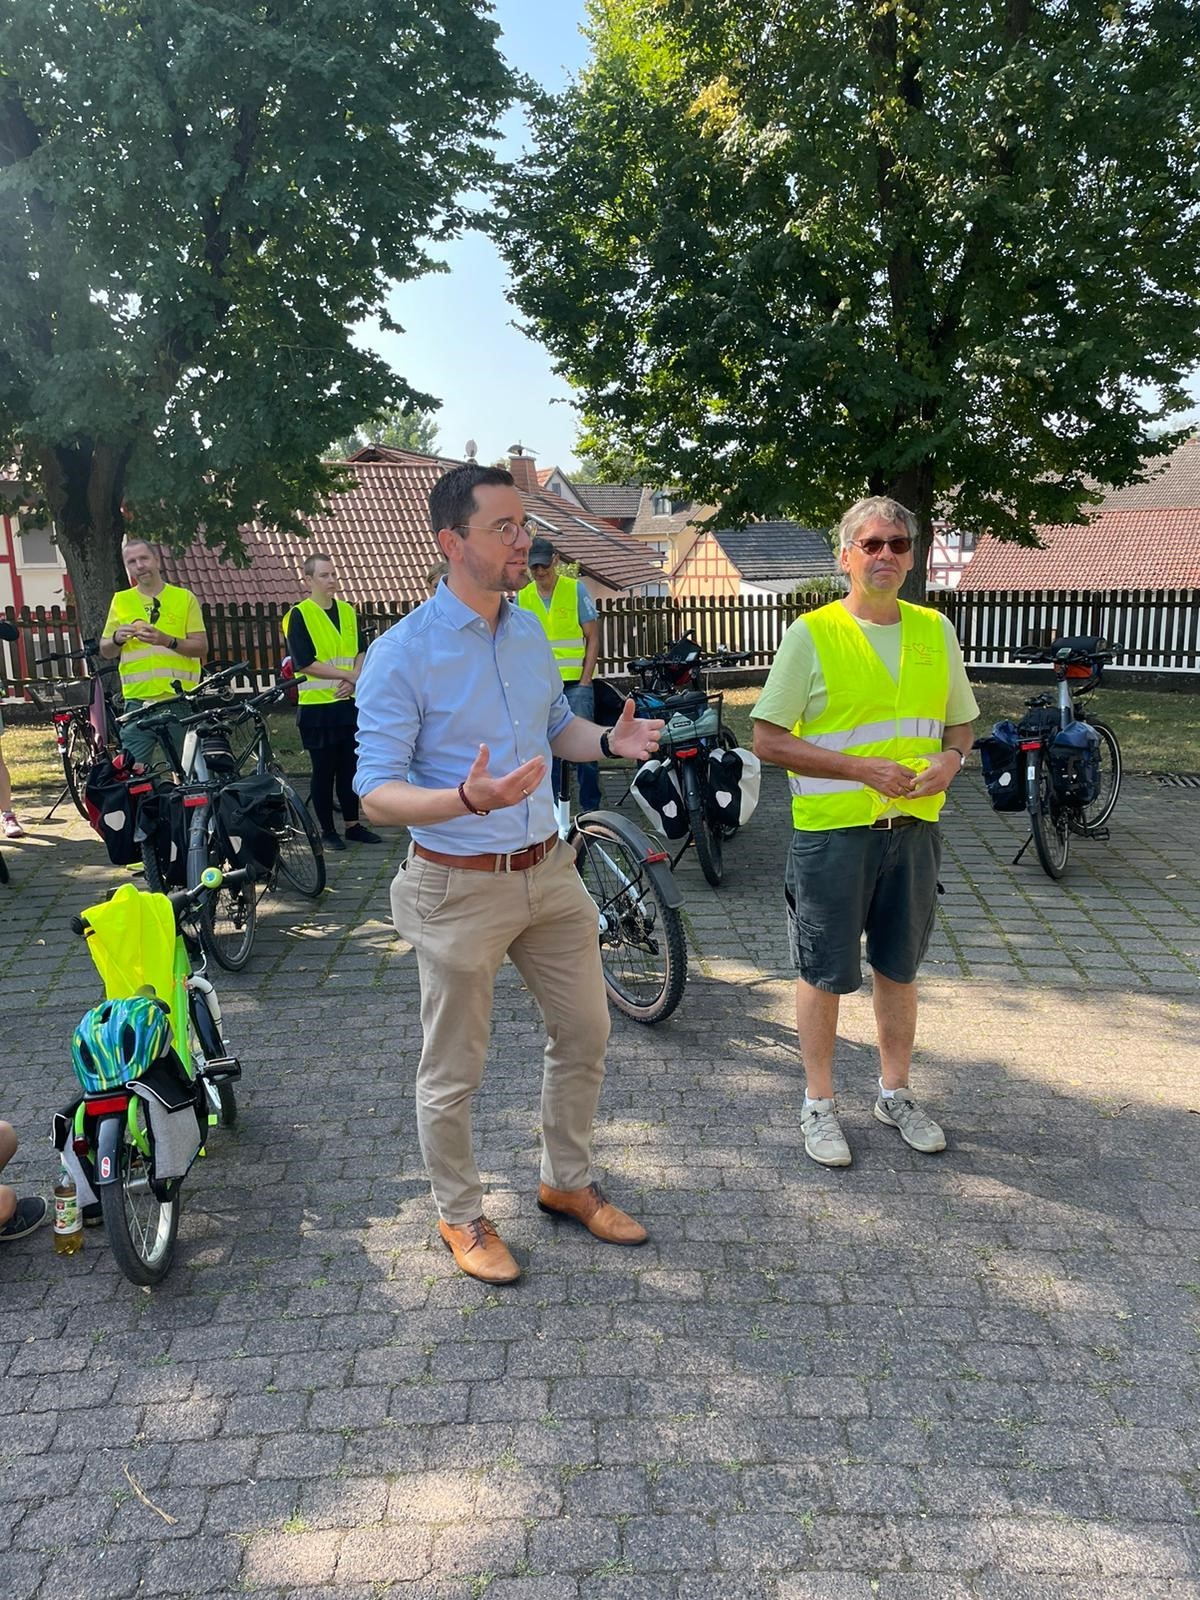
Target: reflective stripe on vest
x,y
560,623
333,647
868,713
149,671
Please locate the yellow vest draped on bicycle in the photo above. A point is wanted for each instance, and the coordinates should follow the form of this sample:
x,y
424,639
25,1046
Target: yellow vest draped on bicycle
x,y
149,670
334,647
868,713
561,622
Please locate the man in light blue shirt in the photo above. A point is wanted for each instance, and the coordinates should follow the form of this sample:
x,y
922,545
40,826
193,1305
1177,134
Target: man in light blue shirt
x,y
460,709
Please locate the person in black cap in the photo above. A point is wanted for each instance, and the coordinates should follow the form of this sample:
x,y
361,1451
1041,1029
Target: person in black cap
x,y
568,614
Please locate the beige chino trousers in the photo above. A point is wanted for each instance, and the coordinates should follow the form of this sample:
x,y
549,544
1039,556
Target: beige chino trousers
x,y
462,925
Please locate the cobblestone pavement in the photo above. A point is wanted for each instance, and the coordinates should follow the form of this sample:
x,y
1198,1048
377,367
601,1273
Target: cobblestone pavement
x,y
967,1377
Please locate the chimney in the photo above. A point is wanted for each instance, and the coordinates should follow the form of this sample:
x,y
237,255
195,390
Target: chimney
x,y
520,464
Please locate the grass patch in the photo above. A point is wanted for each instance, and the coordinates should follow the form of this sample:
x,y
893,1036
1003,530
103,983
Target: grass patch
x,y
32,756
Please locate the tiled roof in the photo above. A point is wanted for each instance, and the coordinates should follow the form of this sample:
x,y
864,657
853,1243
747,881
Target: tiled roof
x,y
1128,549
617,500
776,550
377,534
648,526
1174,481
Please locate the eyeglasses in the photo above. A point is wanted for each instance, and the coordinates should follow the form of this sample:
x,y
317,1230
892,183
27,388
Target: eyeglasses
x,y
899,546
509,532
155,608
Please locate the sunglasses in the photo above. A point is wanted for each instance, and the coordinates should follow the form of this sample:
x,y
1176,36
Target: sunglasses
x,y
899,546
155,608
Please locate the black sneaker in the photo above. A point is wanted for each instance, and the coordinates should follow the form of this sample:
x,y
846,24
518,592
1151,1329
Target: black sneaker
x,y
30,1214
333,840
362,835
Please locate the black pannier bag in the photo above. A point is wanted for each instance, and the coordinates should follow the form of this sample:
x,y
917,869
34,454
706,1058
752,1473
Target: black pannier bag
x,y
251,815
1003,767
1039,721
112,796
1074,758
725,788
163,822
656,791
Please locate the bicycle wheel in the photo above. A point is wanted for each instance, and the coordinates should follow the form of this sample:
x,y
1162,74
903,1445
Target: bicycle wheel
x,y
78,757
642,948
301,854
141,1228
1049,823
150,868
207,1045
227,919
704,835
1101,808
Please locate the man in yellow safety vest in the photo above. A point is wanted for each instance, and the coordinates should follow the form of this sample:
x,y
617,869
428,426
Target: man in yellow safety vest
x,y
568,614
326,646
155,631
868,707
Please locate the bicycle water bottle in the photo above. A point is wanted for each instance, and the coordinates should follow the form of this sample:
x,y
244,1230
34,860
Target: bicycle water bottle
x,y
68,1220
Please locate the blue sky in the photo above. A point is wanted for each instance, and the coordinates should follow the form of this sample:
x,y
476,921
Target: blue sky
x,y
495,385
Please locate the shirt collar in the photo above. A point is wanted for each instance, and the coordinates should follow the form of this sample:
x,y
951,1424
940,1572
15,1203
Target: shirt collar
x,y
460,615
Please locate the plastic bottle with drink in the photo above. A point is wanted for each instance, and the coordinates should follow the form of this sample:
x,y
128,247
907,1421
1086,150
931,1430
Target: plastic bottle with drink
x,y
68,1219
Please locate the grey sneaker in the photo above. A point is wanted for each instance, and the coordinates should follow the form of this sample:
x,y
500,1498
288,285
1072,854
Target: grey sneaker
x,y
823,1137
915,1126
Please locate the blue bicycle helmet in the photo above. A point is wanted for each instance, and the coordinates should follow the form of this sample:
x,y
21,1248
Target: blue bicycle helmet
x,y
118,1040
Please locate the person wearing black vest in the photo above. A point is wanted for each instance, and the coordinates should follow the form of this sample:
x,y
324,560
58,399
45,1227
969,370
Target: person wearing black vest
x,y
326,647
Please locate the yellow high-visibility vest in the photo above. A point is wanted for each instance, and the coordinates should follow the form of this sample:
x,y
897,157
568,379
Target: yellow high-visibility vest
x,y
868,713
148,671
335,647
561,623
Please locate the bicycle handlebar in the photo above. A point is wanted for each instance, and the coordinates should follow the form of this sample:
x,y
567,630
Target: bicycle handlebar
x,y
183,900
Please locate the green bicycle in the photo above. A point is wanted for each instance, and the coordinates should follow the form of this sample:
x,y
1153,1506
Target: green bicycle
x,y
153,1067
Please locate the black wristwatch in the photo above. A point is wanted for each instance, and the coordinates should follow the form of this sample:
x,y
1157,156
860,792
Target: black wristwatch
x,y
605,747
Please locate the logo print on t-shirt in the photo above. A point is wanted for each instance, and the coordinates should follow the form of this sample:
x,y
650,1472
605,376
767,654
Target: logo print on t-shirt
x,y
919,654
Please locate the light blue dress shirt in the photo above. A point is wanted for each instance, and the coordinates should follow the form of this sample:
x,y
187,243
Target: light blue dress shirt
x,y
437,686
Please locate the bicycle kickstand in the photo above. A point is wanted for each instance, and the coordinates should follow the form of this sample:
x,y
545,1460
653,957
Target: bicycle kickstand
x,y
65,792
1023,849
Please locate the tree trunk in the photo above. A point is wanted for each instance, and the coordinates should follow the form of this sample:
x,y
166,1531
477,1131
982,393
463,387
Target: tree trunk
x,y
914,490
83,486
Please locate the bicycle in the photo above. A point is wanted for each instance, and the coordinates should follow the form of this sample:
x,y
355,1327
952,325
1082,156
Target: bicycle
x,y
84,715
1060,764
155,1071
674,686
211,767
642,948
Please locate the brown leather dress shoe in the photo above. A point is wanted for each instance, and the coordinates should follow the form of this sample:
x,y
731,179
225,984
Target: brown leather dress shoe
x,y
480,1251
598,1215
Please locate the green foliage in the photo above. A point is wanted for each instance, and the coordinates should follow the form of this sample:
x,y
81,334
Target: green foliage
x,y
600,462
828,586
198,202
400,430
791,253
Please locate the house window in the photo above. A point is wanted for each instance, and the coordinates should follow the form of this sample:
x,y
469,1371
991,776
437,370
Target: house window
x,y
661,504
38,548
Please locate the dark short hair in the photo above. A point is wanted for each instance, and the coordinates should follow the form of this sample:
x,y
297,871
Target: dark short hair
x,y
310,562
452,498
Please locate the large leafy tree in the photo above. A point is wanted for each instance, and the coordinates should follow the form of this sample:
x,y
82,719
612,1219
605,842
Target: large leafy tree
x,y
792,251
198,201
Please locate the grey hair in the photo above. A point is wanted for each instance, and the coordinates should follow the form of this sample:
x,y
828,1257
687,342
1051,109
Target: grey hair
x,y
310,562
879,508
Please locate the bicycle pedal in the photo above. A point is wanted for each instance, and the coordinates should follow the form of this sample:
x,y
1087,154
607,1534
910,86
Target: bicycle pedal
x,y
222,1069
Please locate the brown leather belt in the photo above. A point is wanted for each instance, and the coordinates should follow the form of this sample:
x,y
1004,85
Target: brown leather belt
x,y
515,861
895,822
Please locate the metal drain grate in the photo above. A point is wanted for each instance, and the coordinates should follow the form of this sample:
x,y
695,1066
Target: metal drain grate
x,y
1178,780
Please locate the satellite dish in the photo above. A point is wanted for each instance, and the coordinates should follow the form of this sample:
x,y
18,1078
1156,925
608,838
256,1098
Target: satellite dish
x,y
471,449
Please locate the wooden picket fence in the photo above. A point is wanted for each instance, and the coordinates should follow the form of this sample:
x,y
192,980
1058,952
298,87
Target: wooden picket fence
x,y
1152,630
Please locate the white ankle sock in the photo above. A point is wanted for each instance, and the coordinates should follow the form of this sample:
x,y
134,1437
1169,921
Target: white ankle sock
x,y
885,1094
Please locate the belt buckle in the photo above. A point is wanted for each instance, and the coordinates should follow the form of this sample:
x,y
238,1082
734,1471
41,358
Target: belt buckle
x,y
884,823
